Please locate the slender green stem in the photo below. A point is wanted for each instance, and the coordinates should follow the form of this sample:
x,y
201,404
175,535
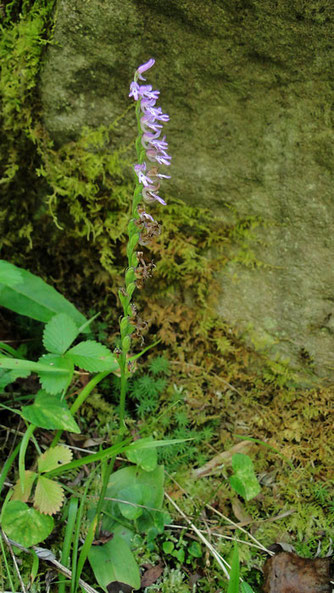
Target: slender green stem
x,y
23,448
8,465
84,393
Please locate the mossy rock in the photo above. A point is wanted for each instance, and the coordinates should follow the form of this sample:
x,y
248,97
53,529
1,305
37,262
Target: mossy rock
x,y
248,86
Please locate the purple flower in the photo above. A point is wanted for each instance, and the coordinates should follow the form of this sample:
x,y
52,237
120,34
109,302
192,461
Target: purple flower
x,y
150,196
146,181
143,68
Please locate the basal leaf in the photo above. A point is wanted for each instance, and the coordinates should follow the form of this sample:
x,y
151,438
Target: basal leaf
x,y
29,478
147,459
59,333
54,457
24,524
92,357
114,561
244,480
233,584
55,383
33,297
51,413
49,496
133,495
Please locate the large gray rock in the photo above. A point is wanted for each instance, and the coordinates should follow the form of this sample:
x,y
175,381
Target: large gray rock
x,y
249,88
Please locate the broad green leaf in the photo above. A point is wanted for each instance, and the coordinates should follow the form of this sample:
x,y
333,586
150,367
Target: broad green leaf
x,y
233,584
34,298
51,413
24,524
244,480
147,459
92,357
147,490
29,478
114,561
56,383
134,495
9,274
59,333
49,496
54,457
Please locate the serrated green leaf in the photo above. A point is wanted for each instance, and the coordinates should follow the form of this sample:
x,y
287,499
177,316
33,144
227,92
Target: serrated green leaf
x,y
24,524
92,357
51,413
8,377
59,333
54,457
49,496
147,459
56,383
114,561
244,480
29,478
33,297
9,274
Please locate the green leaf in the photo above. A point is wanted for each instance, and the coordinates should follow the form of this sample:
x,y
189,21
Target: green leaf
x,y
168,547
92,357
147,490
33,297
56,383
244,480
59,333
114,561
233,584
246,588
51,413
147,459
8,377
195,550
24,524
54,457
29,478
49,496
134,495
17,364
9,274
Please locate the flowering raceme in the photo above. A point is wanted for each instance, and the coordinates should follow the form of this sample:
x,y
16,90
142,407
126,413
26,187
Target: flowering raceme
x,y
150,119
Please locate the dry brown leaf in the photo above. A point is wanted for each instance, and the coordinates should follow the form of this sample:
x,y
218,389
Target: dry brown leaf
x,y
223,458
288,573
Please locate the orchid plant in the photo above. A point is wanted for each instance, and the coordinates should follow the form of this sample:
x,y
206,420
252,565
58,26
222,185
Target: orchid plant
x,y
139,484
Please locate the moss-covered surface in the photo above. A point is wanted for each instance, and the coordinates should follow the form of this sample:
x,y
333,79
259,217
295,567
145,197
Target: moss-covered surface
x,y
248,87
63,215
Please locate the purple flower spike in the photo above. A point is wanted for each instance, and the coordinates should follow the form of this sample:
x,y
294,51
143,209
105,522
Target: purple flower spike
x,y
144,67
150,123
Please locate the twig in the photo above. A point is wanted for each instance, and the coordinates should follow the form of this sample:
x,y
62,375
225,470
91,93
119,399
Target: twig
x,y
219,535
220,560
47,555
7,541
239,527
